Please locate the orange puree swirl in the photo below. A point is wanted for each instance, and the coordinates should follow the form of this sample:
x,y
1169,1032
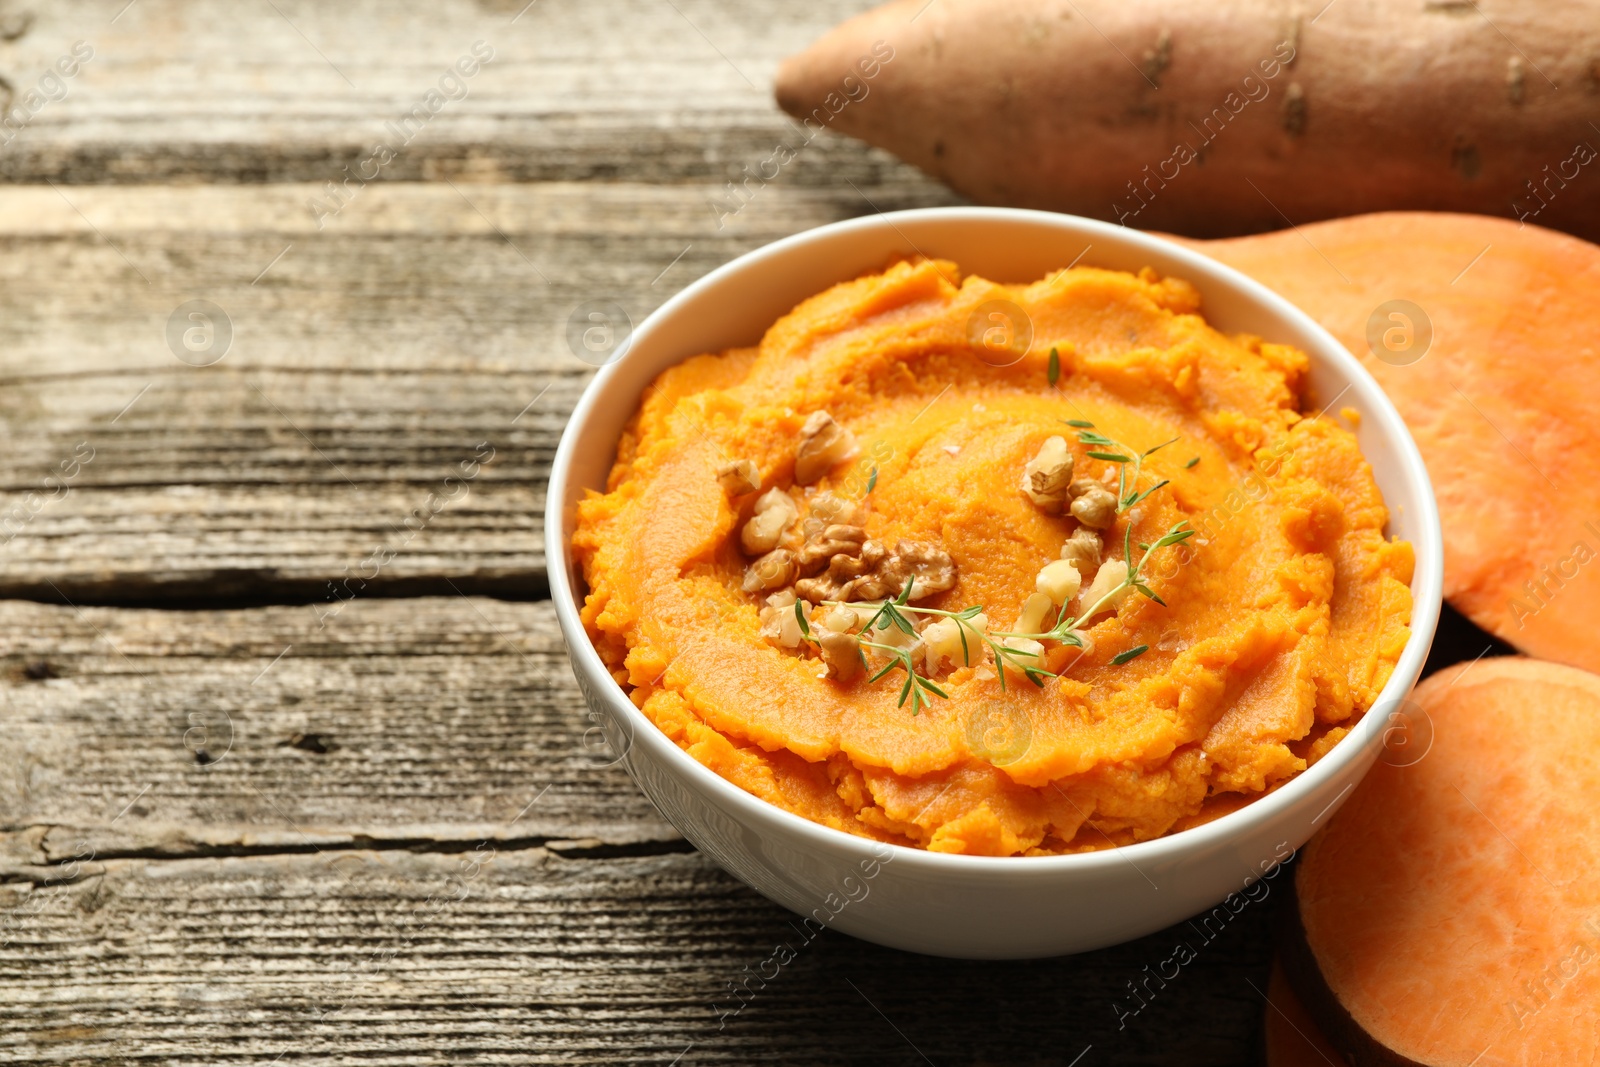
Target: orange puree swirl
x,y
1284,615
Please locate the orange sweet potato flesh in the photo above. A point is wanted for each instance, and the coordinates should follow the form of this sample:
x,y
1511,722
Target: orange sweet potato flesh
x,y
1274,637
1449,914
1503,404
1290,1036
1223,117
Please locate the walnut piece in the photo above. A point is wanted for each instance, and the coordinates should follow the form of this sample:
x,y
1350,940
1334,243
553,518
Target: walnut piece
x,y
840,570
840,620
1111,575
823,443
778,622
774,511
739,477
834,510
1096,508
944,641
1082,550
932,569
836,540
1059,580
874,575
1030,653
1035,610
842,655
774,570
1047,475
1081,486
842,564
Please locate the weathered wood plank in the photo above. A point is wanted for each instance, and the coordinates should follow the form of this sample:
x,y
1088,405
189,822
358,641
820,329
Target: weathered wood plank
x,y
211,90
437,722
369,359
297,891
386,957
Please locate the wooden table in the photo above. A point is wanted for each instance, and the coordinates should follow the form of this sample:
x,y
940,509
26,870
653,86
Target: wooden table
x,y
263,799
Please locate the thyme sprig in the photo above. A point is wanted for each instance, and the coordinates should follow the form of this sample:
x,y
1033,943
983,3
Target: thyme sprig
x,y
916,684
1066,631
893,611
1112,451
898,611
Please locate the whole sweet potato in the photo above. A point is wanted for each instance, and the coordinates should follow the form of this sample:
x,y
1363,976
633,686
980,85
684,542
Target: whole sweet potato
x,y
1231,116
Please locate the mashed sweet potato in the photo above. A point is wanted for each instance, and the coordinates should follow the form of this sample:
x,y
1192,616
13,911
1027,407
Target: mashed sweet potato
x,y
1277,623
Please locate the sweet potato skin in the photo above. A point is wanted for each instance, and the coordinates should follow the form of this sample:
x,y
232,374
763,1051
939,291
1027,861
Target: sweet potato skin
x,y
1216,119
1290,1037
1502,402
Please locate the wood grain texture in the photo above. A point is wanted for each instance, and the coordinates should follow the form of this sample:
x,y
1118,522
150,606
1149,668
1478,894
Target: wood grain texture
x,y
295,90
437,722
212,851
520,956
423,323
381,331
246,833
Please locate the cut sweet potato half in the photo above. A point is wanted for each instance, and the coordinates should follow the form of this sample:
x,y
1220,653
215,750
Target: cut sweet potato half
x,y
1449,914
1502,400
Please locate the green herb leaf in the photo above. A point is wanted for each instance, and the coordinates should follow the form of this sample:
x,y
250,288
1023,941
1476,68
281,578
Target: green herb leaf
x,y
1110,457
914,685
1175,537
1087,438
1159,447
872,479
1082,424
1191,463
1133,653
1151,593
1134,498
800,617
1055,366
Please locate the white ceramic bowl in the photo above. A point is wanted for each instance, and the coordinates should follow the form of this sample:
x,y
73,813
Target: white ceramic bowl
x,y
971,906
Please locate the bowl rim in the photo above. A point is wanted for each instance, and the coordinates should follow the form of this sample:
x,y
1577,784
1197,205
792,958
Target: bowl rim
x,y
1254,816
